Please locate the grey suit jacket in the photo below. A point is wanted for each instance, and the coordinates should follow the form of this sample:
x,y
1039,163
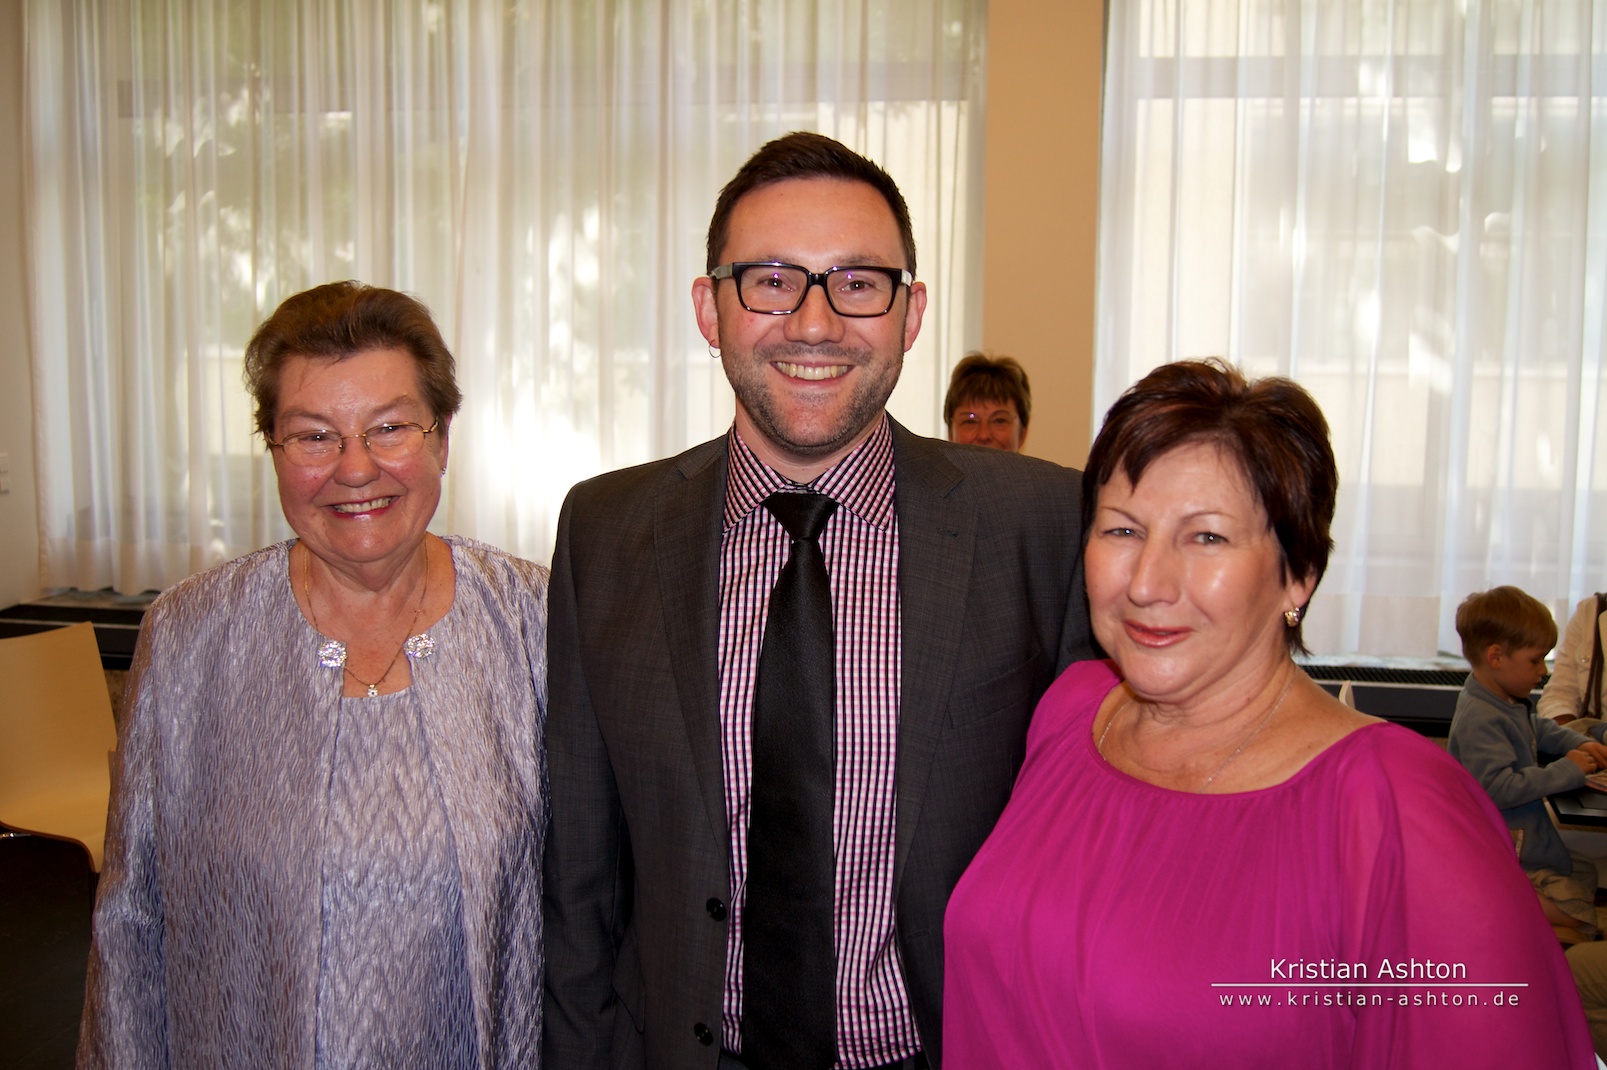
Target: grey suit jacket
x,y
637,863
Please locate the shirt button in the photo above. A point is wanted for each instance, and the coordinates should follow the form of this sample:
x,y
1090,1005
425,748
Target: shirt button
x,y
705,1036
716,909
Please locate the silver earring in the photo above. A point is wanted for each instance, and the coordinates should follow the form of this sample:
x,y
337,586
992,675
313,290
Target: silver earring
x,y
714,351
1291,617
443,471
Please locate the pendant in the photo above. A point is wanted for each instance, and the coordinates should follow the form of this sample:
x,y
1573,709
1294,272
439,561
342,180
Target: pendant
x,y
332,655
419,646
373,690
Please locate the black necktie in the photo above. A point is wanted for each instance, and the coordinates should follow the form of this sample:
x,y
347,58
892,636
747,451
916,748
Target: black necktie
x,y
789,965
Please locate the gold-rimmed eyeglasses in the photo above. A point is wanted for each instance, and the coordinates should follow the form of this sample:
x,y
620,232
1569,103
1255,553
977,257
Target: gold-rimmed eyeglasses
x,y
384,442
1000,421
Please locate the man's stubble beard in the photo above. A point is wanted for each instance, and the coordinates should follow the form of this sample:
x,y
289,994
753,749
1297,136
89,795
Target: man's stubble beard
x,y
747,375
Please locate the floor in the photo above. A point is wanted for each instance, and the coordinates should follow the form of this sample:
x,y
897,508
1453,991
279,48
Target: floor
x,y
46,893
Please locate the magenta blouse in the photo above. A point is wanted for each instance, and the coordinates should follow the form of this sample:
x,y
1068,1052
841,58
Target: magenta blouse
x,y
1367,912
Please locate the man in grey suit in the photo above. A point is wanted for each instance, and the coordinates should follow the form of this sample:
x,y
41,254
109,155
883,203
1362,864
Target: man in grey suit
x,y
955,598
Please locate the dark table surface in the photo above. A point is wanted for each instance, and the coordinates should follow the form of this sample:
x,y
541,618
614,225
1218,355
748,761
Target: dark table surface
x,y
1583,807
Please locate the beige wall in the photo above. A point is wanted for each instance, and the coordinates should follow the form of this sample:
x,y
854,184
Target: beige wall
x,y
19,540
1041,202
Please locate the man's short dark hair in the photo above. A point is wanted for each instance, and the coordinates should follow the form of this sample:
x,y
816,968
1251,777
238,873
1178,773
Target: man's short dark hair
x,y
802,154
984,377
1508,617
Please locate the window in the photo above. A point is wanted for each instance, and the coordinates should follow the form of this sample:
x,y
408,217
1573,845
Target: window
x,y
540,174
1403,206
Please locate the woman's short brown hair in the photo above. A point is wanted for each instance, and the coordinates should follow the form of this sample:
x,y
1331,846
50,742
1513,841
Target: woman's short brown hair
x,y
342,319
983,377
1271,427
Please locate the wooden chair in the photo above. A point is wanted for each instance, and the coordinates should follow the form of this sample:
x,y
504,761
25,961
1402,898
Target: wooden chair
x,y
56,737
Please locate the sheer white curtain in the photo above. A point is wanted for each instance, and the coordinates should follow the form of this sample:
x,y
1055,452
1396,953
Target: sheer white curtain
x,y
1403,206
539,173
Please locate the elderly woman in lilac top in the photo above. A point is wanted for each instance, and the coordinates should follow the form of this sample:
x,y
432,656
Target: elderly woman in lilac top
x,y
331,794
1207,861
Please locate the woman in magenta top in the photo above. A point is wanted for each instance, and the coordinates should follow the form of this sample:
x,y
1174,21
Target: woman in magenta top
x,y
1207,860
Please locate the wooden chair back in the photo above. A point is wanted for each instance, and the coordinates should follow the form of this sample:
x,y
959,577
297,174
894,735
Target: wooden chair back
x,y
56,737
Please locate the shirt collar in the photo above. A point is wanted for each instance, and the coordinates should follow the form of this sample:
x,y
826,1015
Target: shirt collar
x,y
861,482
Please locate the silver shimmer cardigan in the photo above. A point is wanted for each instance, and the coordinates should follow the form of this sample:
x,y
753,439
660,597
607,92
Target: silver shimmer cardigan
x,y
207,921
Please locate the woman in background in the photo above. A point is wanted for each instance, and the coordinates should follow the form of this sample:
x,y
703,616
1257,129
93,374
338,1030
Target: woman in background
x,y
330,798
1208,861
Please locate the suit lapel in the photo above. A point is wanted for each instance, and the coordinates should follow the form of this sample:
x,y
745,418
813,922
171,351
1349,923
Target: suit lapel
x,y
936,539
686,541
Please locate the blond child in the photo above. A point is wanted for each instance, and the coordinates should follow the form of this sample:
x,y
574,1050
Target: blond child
x,y
1495,734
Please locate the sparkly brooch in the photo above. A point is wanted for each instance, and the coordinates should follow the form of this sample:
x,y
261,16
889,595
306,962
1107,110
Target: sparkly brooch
x,y
419,646
332,655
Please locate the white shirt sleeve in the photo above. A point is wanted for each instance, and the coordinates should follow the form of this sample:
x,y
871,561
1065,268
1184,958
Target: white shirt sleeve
x,y
1564,693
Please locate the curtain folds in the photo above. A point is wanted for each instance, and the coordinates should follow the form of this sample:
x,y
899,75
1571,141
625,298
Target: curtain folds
x,y
539,173
1402,204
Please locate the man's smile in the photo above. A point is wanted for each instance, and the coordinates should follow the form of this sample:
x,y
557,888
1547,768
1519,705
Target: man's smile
x,y
811,372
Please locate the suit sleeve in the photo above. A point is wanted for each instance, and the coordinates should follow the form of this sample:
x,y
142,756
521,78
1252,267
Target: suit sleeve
x,y
1076,637
125,1000
586,859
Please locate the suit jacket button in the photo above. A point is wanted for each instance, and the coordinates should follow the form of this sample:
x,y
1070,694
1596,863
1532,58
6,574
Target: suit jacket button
x,y
716,909
705,1036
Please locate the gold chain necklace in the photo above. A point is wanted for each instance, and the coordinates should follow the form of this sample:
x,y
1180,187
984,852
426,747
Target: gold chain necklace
x,y
1262,723
333,653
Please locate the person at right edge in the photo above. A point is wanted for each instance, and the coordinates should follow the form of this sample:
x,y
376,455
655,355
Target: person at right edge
x,y
1207,860
1573,694
1573,697
791,668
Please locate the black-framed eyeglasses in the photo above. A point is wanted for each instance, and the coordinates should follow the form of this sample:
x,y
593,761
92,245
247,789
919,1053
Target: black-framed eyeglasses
x,y
385,442
779,289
